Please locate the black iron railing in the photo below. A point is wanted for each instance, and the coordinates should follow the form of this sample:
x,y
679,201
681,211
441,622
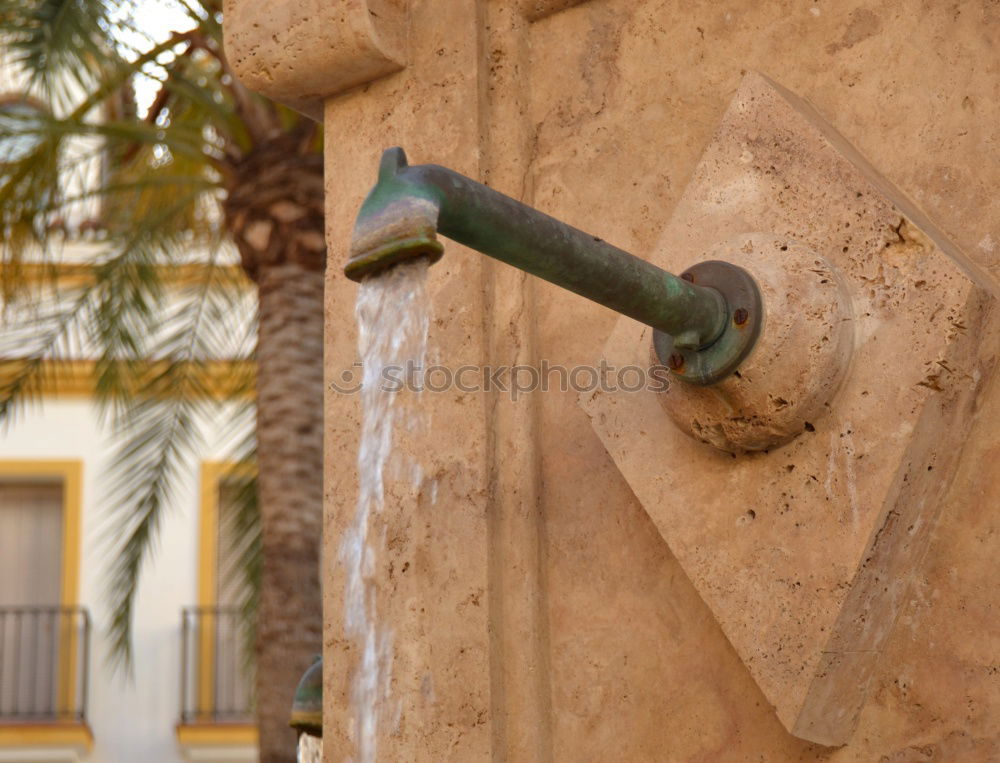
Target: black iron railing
x,y
216,666
44,663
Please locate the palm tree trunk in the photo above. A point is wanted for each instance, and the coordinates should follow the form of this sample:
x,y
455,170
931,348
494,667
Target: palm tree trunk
x,y
274,209
290,456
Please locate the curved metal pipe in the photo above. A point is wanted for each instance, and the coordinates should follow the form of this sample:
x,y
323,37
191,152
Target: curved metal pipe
x,y
408,206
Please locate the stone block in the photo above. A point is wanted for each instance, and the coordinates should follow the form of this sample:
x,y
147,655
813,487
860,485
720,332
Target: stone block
x,y
805,553
302,53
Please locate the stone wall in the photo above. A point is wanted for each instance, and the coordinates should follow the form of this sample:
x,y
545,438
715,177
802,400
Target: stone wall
x,y
552,616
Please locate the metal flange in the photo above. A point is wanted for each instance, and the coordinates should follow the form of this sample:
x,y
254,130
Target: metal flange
x,y
715,361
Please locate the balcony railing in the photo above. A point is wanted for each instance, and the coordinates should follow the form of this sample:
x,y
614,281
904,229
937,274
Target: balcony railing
x,y
216,667
44,659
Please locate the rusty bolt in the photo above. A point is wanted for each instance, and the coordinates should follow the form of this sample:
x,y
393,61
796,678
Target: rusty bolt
x,y
687,277
676,362
740,316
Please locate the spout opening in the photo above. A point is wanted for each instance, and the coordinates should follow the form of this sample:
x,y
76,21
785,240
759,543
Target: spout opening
x,y
307,723
379,258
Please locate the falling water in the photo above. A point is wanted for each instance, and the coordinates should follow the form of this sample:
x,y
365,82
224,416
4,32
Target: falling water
x,y
310,749
393,317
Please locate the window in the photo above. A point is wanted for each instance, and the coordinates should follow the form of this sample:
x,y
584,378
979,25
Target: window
x,y
30,572
43,632
30,568
233,659
217,678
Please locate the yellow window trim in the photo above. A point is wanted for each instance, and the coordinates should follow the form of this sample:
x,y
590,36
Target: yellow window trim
x,y
217,734
77,274
70,474
46,735
212,474
76,378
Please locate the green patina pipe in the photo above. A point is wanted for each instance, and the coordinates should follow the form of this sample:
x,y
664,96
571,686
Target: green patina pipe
x,y
409,205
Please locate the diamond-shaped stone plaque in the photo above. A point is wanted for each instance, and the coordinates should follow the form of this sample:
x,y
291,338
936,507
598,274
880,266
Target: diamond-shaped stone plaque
x,y
804,554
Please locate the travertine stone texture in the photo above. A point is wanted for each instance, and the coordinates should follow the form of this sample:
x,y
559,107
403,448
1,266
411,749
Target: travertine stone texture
x,y
435,564
537,9
640,668
557,623
805,553
300,53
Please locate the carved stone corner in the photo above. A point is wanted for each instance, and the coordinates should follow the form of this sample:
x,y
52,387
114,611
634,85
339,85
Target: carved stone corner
x,y
301,53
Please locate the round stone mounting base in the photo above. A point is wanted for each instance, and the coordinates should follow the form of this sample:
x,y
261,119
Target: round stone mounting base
x,y
797,363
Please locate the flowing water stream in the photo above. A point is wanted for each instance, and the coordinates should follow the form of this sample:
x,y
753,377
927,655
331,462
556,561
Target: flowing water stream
x,y
393,316
310,749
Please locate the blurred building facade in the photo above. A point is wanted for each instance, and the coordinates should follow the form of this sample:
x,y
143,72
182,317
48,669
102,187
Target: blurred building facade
x,y
61,699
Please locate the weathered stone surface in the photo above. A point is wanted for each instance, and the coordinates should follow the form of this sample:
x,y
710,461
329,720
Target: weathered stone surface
x,y
537,9
805,554
434,570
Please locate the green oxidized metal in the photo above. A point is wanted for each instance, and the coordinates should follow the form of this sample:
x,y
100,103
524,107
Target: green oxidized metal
x,y
307,705
409,206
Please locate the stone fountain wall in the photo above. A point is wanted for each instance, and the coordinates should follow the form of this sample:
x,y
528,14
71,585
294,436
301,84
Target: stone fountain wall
x,y
538,611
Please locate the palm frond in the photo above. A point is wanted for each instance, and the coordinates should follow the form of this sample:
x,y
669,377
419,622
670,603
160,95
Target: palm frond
x,y
148,465
161,430
41,333
61,45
